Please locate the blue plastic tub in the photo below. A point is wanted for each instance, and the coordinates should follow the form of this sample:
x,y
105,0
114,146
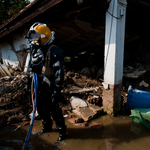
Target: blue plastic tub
x,y
138,98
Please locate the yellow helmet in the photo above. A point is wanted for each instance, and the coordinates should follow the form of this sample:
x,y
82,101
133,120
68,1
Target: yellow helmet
x,y
40,33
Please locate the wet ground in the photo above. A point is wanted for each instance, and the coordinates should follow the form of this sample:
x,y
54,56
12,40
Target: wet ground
x,y
118,133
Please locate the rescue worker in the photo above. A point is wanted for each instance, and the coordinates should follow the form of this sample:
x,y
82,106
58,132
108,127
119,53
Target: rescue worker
x,y
47,62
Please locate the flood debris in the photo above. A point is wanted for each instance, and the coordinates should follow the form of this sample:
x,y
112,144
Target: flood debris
x,y
143,83
16,106
81,94
4,70
135,74
137,71
79,122
14,103
83,109
94,99
9,70
96,125
13,91
84,90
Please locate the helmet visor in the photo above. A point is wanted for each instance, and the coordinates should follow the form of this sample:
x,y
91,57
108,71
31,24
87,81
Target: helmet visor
x,y
33,35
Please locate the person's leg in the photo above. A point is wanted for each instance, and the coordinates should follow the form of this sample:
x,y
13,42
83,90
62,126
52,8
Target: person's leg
x,y
56,114
43,108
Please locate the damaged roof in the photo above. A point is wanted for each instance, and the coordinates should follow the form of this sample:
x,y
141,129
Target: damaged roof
x,y
78,26
26,14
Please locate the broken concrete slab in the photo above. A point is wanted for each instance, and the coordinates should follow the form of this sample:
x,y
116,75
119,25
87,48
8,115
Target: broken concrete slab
x,y
85,113
84,109
95,108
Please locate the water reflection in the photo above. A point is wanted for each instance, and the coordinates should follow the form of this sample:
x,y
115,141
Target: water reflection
x,y
118,133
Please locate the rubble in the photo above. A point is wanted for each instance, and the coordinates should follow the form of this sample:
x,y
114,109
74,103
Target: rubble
x,y
13,91
96,126
82,109
137,71
9,70
14,103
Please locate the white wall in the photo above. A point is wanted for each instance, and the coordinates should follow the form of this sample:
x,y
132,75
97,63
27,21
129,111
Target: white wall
x,y
8,55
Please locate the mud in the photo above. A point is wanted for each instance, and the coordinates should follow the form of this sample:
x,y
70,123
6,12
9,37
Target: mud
x,y
118,133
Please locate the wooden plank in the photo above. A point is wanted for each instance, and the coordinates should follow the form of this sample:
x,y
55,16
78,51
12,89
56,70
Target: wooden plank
x,y
85,90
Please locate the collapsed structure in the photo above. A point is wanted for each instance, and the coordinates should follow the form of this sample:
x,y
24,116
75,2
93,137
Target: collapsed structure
x,y
91,32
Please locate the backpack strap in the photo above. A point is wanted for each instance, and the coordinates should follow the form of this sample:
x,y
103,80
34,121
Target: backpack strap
x,y
47,70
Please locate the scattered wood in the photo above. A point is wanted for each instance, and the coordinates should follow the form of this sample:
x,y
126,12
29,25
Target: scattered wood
x,y
14,91
84,90
135,74
4,70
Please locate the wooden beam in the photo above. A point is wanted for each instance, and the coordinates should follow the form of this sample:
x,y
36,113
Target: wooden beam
x,y
84,45
68,37
85,34
78,29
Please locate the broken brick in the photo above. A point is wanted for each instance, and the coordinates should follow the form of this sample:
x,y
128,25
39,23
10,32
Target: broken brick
x,y
84,124
97,126
75,120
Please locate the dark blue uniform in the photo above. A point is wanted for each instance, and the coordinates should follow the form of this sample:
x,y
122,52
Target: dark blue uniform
x,y
47,62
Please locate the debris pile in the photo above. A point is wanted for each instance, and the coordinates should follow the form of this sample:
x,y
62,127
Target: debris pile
x,y
14,103
138,76
9,70
79,88
13,90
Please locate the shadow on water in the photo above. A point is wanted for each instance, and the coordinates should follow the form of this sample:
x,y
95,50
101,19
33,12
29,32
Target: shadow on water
x,y
117,134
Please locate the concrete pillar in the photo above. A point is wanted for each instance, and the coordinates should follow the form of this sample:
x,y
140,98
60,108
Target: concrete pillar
x,y
113,56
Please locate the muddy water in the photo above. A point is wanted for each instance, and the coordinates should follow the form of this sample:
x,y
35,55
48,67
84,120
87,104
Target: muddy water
x,y
118,133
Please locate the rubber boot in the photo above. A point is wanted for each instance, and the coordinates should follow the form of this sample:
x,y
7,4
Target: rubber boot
x,y
47,127
62,137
